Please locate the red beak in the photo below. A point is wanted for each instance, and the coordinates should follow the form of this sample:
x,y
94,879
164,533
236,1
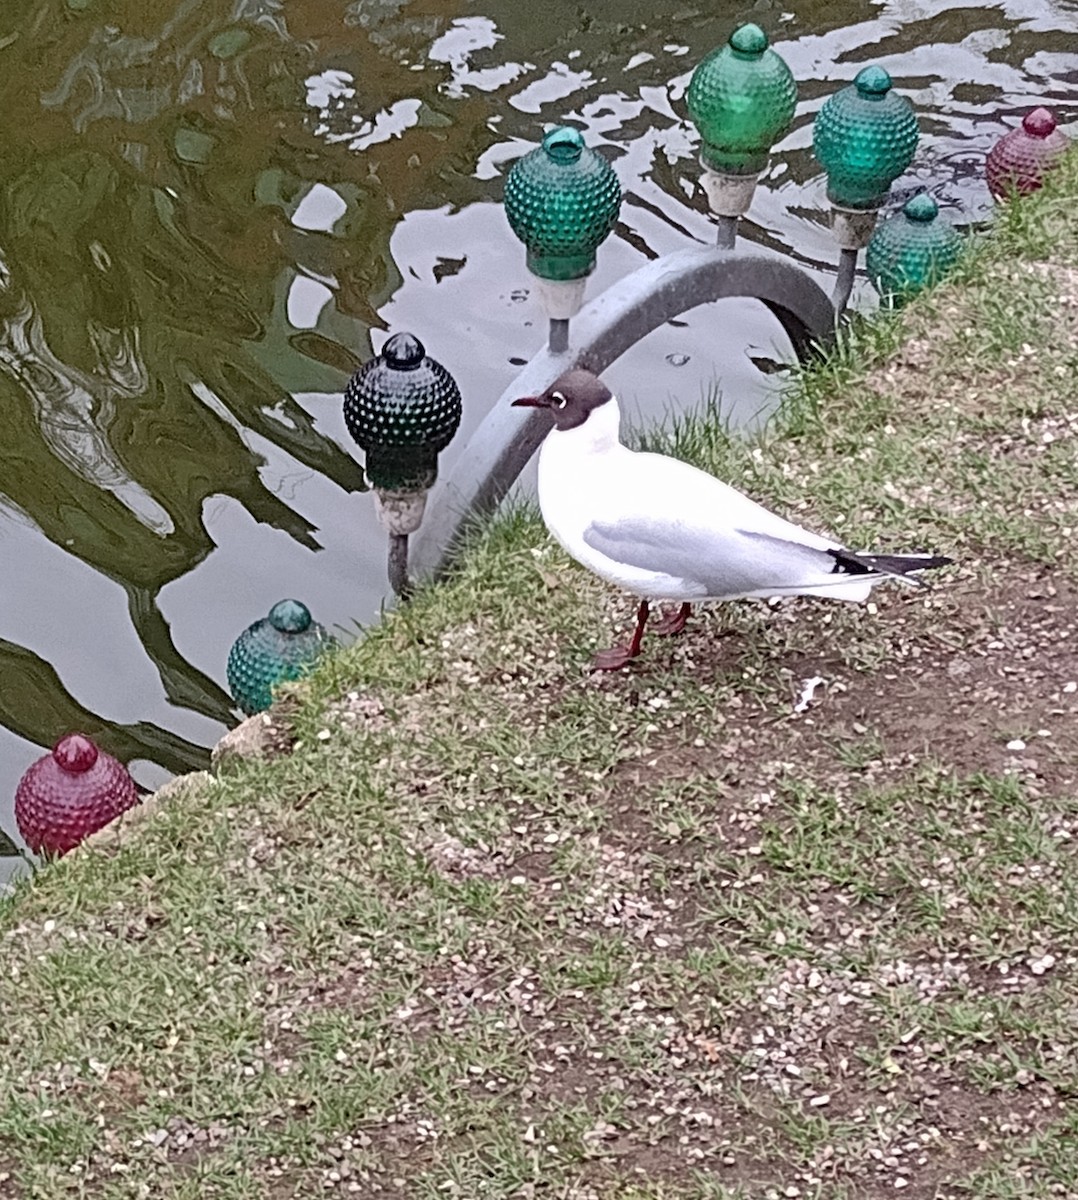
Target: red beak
x,y
531,402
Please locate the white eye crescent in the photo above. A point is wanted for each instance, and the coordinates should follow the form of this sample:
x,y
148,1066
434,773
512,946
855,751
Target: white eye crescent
x,y
559,400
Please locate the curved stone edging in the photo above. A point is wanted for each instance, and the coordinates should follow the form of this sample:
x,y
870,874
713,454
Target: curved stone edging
x,y
255,737
115,831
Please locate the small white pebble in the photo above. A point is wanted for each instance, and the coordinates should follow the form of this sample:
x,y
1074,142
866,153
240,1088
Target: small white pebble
x,y
323,735
1070,687
1015,744
901,1182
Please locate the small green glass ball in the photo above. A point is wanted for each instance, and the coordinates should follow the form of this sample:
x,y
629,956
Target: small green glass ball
x,y
562,200
741,98
911,250
284,645
865,136
402,408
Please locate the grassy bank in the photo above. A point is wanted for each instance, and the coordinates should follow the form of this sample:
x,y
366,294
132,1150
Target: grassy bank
x,y
499,928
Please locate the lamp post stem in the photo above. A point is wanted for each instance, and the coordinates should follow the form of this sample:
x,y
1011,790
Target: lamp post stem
x,y
558,341
726,232
847,268
398,564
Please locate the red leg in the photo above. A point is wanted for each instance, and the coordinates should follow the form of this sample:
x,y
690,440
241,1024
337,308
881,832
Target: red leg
x,y
673,622
620,656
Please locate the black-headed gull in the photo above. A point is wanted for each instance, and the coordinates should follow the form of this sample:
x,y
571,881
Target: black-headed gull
x,y
664,530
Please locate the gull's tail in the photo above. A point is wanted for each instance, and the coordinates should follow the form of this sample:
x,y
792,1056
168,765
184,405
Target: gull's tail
x,y
898,566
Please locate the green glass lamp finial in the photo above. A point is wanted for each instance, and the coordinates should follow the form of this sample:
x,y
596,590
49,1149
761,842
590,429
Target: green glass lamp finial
x,y
562,200
912,250
282,646
864,137
564,144
290,616
741,98
921,208
403,409
872,82
749,40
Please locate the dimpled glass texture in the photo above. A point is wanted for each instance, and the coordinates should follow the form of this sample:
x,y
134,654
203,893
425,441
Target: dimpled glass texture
x,y
742,99
402,408
282,646
562,200
864,138
912,250
70,793
1019,160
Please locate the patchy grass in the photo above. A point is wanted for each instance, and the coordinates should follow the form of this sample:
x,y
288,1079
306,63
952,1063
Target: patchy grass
x,y
498,928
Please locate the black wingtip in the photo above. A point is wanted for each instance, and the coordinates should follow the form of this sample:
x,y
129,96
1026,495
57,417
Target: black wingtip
x,y
902,565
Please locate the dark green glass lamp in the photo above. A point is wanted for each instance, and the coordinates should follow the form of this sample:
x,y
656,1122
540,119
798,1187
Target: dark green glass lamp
x,y
742,99
402,408
912,250
282,646
562,200
864,137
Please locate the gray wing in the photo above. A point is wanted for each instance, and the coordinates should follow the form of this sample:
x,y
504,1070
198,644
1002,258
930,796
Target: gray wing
x,y
721,562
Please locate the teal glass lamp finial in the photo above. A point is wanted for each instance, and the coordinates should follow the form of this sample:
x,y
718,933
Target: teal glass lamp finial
x,y
911,250
564,144
864,137
290,616
562,200
280,647
748,41
741,98
872,82
921,208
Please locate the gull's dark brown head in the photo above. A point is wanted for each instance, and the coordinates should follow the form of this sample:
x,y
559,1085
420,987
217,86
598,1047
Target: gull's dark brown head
x,y
570,398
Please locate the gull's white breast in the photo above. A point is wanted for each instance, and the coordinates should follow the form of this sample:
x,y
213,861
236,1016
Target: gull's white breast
x,y
585,475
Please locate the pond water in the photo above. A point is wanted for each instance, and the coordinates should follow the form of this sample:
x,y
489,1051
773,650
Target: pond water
x,y
211,211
